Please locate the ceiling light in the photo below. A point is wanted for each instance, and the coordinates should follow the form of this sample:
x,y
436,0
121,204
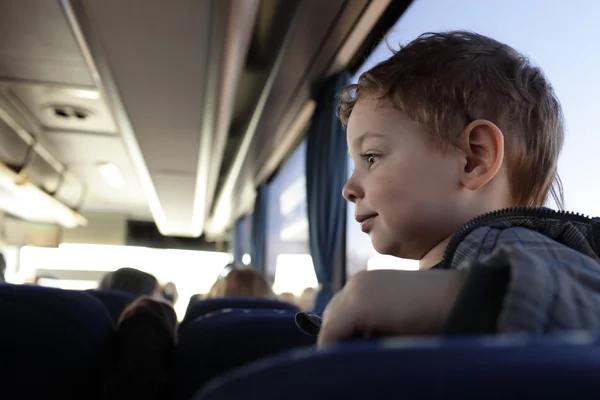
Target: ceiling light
x,y
111,175
388,262
85,94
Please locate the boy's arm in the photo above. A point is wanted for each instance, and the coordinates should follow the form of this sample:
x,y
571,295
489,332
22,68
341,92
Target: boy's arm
x,y
511,280
528,283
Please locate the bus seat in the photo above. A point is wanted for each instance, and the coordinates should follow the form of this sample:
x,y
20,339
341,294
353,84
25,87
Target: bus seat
x,y
502,367
221,341
53,343
204,307
114,301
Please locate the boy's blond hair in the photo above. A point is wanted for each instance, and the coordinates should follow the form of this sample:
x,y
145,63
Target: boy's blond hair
x,y
447,80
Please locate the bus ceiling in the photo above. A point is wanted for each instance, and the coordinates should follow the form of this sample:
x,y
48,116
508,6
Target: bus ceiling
x,y
171,112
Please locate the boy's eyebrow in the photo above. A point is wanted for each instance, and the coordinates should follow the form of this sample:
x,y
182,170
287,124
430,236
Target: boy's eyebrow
x,y
364,136
367,135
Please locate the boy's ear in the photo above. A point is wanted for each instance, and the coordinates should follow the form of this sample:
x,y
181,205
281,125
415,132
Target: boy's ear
x,y
482,144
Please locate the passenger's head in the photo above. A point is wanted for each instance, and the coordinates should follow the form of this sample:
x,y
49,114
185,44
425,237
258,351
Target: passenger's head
x,y
144,349
159,309
216,290
105,281
451,126
134,281
288,297
243,282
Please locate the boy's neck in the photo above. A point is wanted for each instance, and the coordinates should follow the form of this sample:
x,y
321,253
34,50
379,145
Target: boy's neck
x,y
435,255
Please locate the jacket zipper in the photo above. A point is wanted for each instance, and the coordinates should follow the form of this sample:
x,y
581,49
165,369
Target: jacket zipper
x,y
538,212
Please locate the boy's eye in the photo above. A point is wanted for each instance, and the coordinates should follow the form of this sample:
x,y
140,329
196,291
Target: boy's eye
x,y
371,158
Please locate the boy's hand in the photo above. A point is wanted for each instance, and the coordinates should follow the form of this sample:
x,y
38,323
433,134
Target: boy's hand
x,y
389,303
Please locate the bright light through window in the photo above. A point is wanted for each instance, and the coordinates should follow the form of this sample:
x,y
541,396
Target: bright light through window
x,y
388,262
246,259
193,272
68,284
294,273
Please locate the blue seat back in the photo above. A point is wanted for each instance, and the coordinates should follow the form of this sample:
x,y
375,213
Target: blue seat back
x,y
53,343
114,301
221,341
490,368
203,307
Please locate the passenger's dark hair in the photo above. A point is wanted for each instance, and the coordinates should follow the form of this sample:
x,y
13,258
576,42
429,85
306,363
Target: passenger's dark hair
x,y
105,281
144,352
133,281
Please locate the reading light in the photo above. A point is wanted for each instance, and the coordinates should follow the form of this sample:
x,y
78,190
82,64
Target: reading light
x,y
85,94
111,175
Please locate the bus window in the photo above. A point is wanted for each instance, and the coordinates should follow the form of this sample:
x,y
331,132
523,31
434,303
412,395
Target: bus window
x,y
81,266
294,273
287,248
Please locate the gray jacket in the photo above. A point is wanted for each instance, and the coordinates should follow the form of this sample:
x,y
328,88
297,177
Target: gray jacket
x,y
531,270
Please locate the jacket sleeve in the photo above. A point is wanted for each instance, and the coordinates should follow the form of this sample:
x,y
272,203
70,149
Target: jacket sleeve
x,y
527,282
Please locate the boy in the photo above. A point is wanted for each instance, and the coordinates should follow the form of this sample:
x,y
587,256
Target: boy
x,y
450,129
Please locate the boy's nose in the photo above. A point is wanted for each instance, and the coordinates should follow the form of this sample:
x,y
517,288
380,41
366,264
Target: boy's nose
x,y
350,192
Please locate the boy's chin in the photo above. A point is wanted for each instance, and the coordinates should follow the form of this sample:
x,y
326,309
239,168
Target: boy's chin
x,y
385,247
391,248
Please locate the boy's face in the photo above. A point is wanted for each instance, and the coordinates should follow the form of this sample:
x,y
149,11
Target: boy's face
x,y
407,193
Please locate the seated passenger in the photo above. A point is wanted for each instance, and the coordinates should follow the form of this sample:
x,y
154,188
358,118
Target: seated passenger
x,y
288,297
104,283
134,281
144,351
455,141
215,290
242,282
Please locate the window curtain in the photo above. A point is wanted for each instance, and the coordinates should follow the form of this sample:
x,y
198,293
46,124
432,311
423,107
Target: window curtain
x,y
259,228
326,174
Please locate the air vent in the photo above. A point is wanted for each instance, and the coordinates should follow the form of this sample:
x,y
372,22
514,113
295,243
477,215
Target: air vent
x,y
67,112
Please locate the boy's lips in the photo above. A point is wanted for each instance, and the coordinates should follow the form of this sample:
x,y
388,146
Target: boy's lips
x,y
365,221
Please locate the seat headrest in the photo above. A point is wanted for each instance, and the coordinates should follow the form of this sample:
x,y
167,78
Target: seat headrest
x,y
52,338
502,367
114,301
204,307
223,340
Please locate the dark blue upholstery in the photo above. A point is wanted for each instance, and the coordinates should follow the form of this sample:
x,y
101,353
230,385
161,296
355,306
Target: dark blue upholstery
x,y
54,344
203,307
489,368
221,341
114,301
